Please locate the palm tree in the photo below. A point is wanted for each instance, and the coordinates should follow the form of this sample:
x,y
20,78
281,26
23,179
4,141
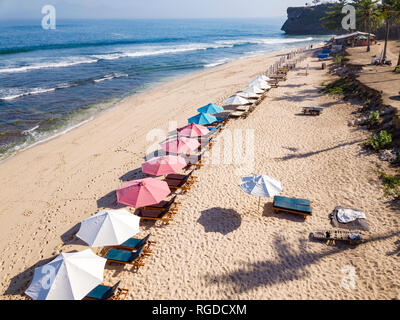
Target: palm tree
x,y
333,19
390,11
368,15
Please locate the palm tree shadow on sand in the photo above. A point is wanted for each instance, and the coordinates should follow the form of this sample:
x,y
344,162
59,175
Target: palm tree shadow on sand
x,y
289,266
220,220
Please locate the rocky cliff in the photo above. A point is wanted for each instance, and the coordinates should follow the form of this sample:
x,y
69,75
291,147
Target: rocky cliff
x,y
305,20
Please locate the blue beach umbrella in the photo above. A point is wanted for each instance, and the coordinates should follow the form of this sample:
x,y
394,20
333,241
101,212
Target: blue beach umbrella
x,y
211,108
202,118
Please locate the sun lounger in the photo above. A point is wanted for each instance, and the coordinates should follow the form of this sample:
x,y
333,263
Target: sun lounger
x,y
163,204
103,292
135,258
181,177
313,110
323,56
237,114
154,214
242,108
331,236
134,244
183,185
292,205
278,77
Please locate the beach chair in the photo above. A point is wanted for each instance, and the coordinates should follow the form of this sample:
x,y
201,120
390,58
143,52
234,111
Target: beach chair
x,y
183,185
134,244
316,111
278,77
331,236
164,215
134,258
242,108
292,205
103,292
172,204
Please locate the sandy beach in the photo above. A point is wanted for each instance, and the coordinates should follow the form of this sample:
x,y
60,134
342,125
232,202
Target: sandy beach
x,y
220,244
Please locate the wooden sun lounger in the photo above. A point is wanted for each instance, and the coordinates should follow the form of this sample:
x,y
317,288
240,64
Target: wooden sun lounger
x,y
331,236
135,259
157,215
301,207
103,292
163,204
313,110
278,77
134,244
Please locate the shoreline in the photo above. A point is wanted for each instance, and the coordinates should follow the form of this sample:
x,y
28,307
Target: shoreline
x,y
124,99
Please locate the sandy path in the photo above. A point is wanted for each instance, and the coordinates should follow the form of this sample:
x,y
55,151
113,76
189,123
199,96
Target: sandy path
x,y
219,245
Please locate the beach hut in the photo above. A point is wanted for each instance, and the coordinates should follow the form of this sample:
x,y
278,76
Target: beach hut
x,y
108,228
70,276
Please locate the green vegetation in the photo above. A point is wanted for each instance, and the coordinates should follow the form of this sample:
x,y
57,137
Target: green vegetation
x,y
391,184
333,19
397,69
373,119
338,59
340,86
379,141
369,16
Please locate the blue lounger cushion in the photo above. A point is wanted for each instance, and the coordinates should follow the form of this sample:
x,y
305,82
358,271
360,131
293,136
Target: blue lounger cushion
x,y
134,243
300,205
100,292
122,255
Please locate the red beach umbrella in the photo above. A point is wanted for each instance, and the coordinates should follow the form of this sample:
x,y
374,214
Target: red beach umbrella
x,y
143,192
193,130
180,145
164,165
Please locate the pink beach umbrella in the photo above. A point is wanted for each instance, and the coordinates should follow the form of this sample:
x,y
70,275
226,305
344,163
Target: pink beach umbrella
x,y
143,192
180,145
193,130
164,165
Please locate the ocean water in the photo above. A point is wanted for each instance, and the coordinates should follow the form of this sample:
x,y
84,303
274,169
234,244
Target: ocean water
x,y
53,80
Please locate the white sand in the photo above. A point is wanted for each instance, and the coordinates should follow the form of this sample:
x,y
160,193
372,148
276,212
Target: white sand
x,y
220,246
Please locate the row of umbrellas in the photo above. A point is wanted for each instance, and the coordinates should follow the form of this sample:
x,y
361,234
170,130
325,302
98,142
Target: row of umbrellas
x,y
73,275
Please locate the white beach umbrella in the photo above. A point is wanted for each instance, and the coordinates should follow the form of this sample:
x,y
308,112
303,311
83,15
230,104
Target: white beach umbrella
x,y
261,84
108,228
253,89
70,276
262,77
261,186
246,94
236,101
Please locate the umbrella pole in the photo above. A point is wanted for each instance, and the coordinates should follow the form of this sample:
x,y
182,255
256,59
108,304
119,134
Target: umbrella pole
x,y
259,199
